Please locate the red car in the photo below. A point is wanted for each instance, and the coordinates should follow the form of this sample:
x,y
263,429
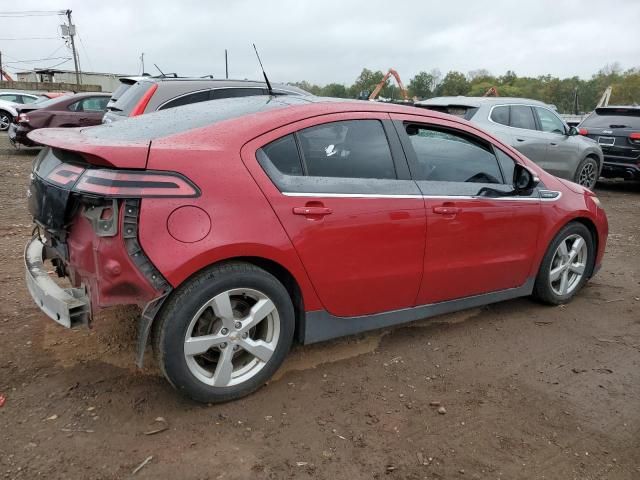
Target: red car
x,y
79,110
269,219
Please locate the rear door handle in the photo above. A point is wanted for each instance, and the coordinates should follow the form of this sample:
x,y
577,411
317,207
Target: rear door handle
x,y
553,144
312,211
447,210
520,139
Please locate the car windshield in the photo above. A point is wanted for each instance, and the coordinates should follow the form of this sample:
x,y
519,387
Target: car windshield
x,y
613,118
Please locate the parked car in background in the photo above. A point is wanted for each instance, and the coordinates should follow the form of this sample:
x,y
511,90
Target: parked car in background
x,y
222,224
19,97
617,131
160,93
534,129
79,110
8,111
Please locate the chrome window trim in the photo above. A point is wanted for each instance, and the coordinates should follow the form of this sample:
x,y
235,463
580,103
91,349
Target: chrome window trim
x,y
444,197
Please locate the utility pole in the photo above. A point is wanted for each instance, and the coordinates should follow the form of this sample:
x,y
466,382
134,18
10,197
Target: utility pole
x,y
72,32
226,64
142,60
1,71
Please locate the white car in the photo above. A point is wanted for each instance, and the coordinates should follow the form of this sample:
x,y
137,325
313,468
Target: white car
x,y
7,113
8,102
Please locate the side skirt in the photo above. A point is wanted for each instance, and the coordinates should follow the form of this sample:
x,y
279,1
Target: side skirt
x,y
320,325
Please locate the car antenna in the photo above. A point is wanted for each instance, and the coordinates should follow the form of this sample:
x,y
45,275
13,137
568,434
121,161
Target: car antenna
x,y
263,72
161,72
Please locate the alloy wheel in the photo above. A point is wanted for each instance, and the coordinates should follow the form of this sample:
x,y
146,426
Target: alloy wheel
x,y
568,265
588,175
5,121
232,337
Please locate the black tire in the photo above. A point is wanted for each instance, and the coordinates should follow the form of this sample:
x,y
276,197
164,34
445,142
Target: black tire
x,y
542,289
183,305
587,173
5,120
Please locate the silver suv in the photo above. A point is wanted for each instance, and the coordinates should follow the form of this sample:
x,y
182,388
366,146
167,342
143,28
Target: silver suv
x,y
149,94
533,128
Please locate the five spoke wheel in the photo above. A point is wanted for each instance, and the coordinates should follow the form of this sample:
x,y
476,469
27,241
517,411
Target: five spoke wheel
x,y
568,265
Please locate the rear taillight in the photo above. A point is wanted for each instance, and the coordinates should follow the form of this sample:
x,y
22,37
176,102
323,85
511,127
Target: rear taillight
x,y
144,101
118,183
583,131
22,118
635,138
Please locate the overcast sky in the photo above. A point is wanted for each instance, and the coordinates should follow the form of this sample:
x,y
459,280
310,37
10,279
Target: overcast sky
x,y
327,41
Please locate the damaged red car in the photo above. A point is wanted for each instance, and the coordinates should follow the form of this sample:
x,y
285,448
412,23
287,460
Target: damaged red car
x,y
268,220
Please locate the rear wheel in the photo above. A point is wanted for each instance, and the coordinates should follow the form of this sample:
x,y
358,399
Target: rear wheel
x,y
5,120
566,266
225,332
587,173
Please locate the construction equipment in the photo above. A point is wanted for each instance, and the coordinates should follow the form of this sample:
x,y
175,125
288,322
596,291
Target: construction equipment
x,y
380,86
604,99
5,75
492,92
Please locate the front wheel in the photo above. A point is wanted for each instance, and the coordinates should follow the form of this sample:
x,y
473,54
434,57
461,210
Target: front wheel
x,y
224,333
5,120
587,173
566,266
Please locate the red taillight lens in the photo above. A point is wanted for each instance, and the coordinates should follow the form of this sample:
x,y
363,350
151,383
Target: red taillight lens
x,y
583,131
22,118
65,175
635,136
114,183
144,101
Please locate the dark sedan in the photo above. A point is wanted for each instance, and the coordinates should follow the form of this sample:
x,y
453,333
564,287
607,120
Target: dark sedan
x,y
80,110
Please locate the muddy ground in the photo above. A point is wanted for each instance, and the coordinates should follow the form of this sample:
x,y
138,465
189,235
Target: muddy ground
x,y
530,391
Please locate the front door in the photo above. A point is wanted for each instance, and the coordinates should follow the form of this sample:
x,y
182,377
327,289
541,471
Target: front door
x,y
479,238
341,189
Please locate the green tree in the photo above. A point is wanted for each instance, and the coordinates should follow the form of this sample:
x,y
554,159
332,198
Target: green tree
x,y
454,83
335,90
422,85
366,82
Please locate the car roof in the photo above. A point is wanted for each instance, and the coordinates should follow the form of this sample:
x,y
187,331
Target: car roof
x,y
265,110
221,83
478,101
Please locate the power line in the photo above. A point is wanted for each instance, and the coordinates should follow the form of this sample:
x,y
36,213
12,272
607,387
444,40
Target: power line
x,y
39,60
31,13
28,38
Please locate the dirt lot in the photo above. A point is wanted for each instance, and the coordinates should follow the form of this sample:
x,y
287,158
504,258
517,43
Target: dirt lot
x,y
529,391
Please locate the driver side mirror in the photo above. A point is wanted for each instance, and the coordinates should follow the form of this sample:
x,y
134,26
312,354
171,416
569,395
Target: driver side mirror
x,y
524,180
573,131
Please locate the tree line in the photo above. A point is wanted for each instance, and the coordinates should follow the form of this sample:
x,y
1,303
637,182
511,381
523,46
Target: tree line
x,y
560,92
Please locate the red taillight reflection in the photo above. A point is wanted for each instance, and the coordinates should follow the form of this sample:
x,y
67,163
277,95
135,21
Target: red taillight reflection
x,y
65,174
635,136
113,183
583,131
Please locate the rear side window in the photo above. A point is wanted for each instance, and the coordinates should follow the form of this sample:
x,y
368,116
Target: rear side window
x,y
283,154
120,91
348,149
522,117
448,156
500,114
237,92
129,99
195,97
27,99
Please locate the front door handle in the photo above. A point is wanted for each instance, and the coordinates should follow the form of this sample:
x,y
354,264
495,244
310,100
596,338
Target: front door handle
x,y
447,210
312,211
520,139
553,144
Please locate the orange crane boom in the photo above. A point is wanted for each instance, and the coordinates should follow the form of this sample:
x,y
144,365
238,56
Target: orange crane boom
x,y
403,90
3,73
492,92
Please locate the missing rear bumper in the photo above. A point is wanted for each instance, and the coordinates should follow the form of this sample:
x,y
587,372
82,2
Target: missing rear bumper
x,y
70,307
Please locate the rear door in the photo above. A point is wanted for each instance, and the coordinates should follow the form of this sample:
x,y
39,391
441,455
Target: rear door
x,y
480,239
341,188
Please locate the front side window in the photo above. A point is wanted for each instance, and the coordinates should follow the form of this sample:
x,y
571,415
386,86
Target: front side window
x,y
10,98
549,122
449,156
521,116
348,149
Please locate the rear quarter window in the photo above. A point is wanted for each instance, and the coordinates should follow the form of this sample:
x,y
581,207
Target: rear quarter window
x,y
130,98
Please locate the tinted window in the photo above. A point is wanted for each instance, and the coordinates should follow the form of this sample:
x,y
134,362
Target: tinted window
x,y
283,154
119,91
89,104
10,98
607,118
549,122
507,164
129,99
194,97
522,117
237,92
448,156
349,149
27,99
500,114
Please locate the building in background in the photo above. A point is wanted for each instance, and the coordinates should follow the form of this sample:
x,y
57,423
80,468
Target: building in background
x,y
107,81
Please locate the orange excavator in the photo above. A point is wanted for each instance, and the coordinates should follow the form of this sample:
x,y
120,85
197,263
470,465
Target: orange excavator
x,y
380,86
4,74
492,92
